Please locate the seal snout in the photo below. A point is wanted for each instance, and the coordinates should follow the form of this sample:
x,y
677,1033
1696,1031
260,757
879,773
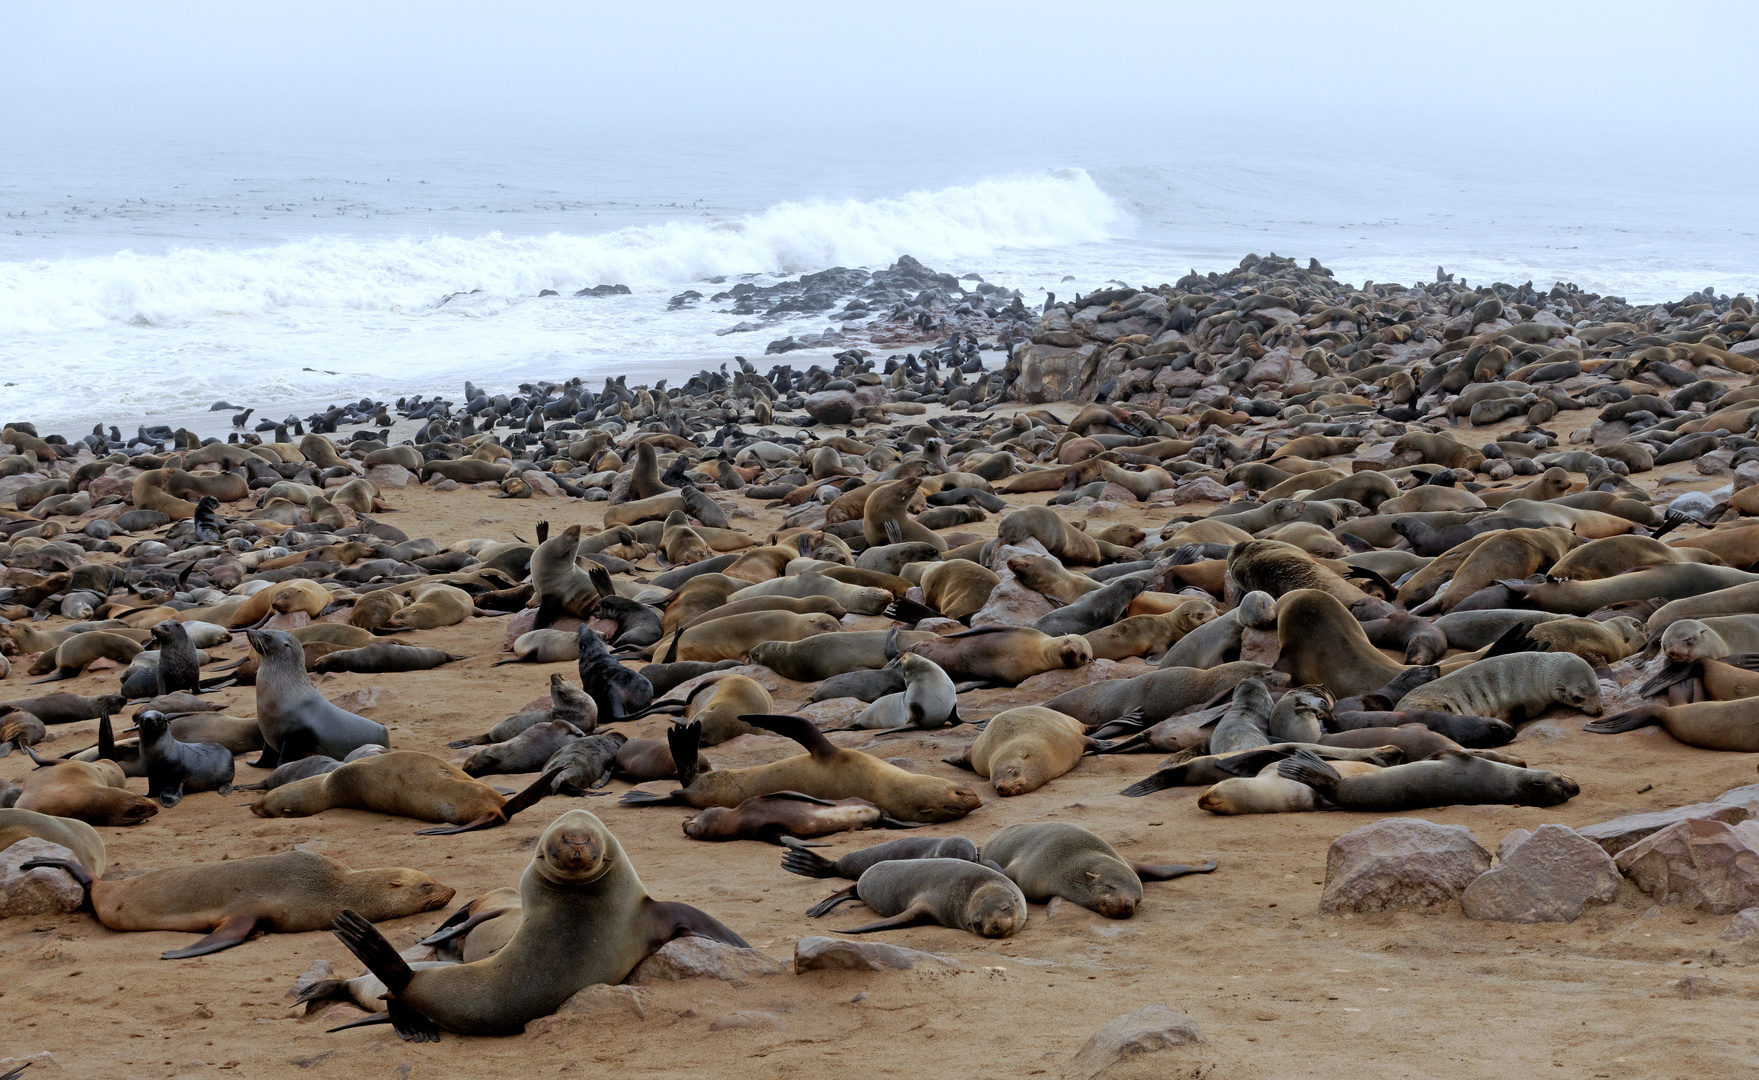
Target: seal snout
x,y
574,851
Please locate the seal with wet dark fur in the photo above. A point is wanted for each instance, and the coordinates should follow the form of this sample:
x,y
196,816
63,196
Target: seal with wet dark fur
x,y
855,863
175,769
1448,779
585,918
618,692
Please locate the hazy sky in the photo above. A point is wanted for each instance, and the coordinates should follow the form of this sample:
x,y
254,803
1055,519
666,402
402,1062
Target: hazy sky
x,y
1467,75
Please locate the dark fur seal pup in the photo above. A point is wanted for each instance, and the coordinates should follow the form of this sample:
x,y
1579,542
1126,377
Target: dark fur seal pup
x,y
952,892
585,765
207,524
179,663
663,677
175,769
1097,609
524,752
1452,778
290,893
586,918
1472,732
297,720
788,814
855,863
1055,858
568,703
618,692
825,771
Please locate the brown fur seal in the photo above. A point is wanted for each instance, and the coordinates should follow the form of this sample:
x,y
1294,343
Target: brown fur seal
x,y
1508,555
374,610
76,836
1048,576
1023,749
585,918
1156,695
402,783
787,814
825,771
855,863
734,637
1599,559
1053,858
1270,793
1004,655
1600,643
1276,568
18,729
952,892
94,792
431,607
1061,539
958,588
885,517
1322,644
290,893
1148,635
567,702
1696,582
718,702
70,658
296,720
383,657
813,658
1712,725
1514,686
524,752
561,586
1449,779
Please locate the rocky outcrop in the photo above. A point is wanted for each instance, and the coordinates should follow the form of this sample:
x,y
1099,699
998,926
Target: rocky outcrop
x,y
1551,875
1701,863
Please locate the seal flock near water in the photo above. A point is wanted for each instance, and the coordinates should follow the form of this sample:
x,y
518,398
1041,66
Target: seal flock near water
x,y
1257,542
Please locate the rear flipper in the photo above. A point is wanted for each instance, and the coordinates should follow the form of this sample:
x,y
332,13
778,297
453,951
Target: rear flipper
x,y
806,863
652,798
322,992
233,930
685,741
828,903
1159,780
1138,741
1130,723
1151,872
457,927
370,1019
1306,767
909,611
370,947
1641,716
961,760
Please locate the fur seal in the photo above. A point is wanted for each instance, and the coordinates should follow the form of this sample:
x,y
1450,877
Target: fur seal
x,y
585,918
175,768
19,728
524,752
1711,725
1149,635
297,720
787,814
94,792
885,516
1246,723
1156,695
584,765
69,659
1219,640
1004,655
67,708
1098,609
736,636
290,893
1276,568
179,663
825,771
1448,779
958,588
806,863
402,783
1322,644
826,655
384,657
952,892
1514,686
617,692
1270,793
1054,858
76,836
929,699
560,585
1471,732
719,701
567,702
1023,749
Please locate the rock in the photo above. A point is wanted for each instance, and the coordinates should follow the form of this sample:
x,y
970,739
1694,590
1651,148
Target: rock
x,y
37,892
1199,489
1056,373
1260,646
1702,863
603,1002
747,1019
1744,927
1012,604
1049,684
1400,862
1746,796
121,487
441,483
839,954
703,958
1551,876
942,627
832,406
1148,1030
1715,462
390,476
1513,840
1620,833
837,712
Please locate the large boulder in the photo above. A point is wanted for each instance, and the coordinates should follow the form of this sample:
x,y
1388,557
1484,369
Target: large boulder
x,y
1055,373
1701,863
37,892
1620,833
703,958
1400,862
841,954
1148,1030
1549,876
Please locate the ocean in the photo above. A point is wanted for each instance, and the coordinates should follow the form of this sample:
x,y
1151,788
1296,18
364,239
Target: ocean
x,y
142,279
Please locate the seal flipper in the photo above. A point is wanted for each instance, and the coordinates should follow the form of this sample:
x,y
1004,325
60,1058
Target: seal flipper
x,y
1631,720
806,863
322,991
674,920
233,930
1672,675
366,1021
526,799
369,946
894,531
1159,780
915,913
798,728
457,927
549,609
831,901
909,611
15,1073
1131,723
78,870
1306,767
961,760
1151,872
1513,640
685,742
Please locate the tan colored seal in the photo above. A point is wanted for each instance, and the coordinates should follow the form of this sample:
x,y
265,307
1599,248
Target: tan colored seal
x,y
1023,749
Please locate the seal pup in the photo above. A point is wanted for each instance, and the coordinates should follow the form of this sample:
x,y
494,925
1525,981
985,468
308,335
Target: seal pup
x,y
296,720
1451,778
787,814
1270,793
175,768
179,664
290,893
585,918
929,699
806,863
825,771
952,892
618,692
1023,749
585,765
524,752
1056,858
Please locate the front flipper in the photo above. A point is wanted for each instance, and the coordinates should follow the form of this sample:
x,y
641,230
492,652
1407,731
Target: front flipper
x,y
673,920
913,914
1128,724
1671,675
1151,872
169,799
233,930
366,1021
828,903
456,927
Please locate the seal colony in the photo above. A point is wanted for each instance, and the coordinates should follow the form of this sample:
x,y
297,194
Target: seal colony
x,y
1333,549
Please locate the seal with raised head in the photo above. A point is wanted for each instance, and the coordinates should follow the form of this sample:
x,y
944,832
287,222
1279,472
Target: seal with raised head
x,y
289,893
585,918
929,699
952,892
825,771
618,692
1057,858
179,663
175,769
297,720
